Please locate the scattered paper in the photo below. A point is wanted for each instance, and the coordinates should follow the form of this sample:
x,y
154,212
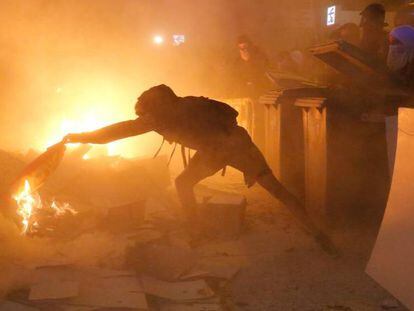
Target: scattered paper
x,y
167,262
54,290
110,298
109,273
13,306
192,307
144,236
220,270
177,291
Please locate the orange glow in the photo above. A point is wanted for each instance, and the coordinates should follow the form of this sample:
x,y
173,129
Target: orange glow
x,y
87,104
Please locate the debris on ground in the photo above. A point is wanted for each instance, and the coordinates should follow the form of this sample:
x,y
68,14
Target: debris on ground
x,y
390,304
125,246
223,215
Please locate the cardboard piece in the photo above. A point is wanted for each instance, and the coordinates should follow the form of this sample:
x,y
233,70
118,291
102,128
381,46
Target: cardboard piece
x,y
178,291
195,273
144,236
54,290
57,262
58,273
223,249
110,298
156,208
109,273
219,269
167,262
124,217
223,215
13,306
76,308
112,292
391,260
192,307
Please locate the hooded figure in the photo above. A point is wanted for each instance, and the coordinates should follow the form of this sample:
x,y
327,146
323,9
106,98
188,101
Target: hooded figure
x,y
400,58
209,127
373,35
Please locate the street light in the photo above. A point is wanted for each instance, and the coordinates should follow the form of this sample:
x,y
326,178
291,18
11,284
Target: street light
x,y
158,39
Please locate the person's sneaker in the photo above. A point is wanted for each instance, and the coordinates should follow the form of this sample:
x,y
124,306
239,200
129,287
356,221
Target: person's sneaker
x,y
326,244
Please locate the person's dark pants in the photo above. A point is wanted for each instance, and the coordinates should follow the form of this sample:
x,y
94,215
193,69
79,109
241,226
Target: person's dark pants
x,y
237,150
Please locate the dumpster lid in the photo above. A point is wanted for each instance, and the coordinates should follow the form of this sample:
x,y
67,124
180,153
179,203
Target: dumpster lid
x,y
270,98
285,80
347,58
276,97
359,66
311,102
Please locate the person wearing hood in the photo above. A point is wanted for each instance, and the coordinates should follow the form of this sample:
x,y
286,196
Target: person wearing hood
x,y
209,127
373,36
400,58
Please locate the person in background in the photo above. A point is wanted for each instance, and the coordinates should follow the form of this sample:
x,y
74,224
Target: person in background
x,y
250,68
250,80
401,55
348,32
404,15
373,36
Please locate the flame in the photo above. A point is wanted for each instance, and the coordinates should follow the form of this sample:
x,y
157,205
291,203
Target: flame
x,y
29,203
26,203
61,209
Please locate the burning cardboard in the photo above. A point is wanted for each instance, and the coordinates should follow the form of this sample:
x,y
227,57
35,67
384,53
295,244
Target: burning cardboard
x,y
40,169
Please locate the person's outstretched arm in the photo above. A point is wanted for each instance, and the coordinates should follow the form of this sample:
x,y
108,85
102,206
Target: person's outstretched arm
x,y
112,132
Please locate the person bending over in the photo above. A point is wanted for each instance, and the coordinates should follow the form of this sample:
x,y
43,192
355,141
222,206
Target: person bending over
x,y
209,127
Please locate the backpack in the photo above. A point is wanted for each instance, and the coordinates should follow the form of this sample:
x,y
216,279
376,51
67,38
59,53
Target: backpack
x,y
206,114
191,121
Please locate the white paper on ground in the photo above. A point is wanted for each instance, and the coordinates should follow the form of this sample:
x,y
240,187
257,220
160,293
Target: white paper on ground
x,y
391,263
13,306
54,290
111,292
177,291
191,307
111,298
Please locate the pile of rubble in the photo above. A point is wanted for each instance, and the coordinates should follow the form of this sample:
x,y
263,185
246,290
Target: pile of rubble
x,y
126,246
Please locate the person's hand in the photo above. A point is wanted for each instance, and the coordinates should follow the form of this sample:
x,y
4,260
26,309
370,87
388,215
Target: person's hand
x,y
74,138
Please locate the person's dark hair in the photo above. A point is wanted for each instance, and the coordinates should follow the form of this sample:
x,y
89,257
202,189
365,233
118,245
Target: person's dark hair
x,y
375,12
153,99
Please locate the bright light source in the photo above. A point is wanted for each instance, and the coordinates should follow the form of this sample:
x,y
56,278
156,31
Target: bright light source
x,y
178,39
158,39
331,15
